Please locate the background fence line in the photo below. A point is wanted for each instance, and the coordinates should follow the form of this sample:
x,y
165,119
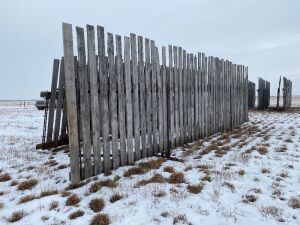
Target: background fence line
x,y
251,94
287,93
125,103
263,96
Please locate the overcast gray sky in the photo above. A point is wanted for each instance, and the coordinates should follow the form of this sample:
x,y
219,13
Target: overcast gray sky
x,y
263,34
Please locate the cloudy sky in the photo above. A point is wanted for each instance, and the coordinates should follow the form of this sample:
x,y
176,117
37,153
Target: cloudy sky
x,y
263,34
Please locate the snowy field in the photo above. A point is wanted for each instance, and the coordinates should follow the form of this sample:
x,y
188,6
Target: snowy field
x,y
248,176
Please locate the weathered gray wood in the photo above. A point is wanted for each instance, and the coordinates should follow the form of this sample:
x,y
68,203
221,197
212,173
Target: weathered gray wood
x,y
196,98
59,104
135,97
185,100
142,95
176,96
154,99
84,103
148,97
103,78
129,110
121,100
180,90
52,100
164,89
172,119
113,79
71,102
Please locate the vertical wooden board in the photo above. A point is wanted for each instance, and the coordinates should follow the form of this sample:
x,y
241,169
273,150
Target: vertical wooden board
x,y
142,95
84,103
63,128
160,102
200,114
135,97
171,95
121,100
154,98
180,90
184,94
104,99
204,94
128,100
71,102
165,105
59,104
148,97
95,108
113,79
192,74
176,100
196,97
52,102
188,98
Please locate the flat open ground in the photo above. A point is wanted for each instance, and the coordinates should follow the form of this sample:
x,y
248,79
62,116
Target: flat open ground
x,y
247,176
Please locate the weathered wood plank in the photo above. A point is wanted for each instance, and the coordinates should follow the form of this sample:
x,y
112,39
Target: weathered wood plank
x,y
154,99
129,109
172,119
71,102
164,89
176,96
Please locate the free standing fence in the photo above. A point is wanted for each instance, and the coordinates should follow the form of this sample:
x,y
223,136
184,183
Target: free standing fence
x,y
55,118
263,94
251,94
125,103
287,93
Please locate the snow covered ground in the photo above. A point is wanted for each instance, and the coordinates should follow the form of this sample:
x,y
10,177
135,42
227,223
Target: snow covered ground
x,y
248,176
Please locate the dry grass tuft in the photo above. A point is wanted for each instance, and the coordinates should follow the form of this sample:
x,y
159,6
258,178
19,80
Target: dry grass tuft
x,y
144,167
27,184
100,219
159,194
270,210
284,174
156,178
165,214
48,193
97,204
72,200
265,170
230,186
65,193
181,219
14,183
256,190
241,172
169,169
195,189
53,205
249,198
76,214
104,183
282,148
16,216
27,198
5,177
294,202
75,186
262,150
207,178
288,140
115,197
176,178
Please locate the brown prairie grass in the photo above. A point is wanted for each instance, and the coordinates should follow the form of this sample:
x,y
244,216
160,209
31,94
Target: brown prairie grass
x,y
195,189
181,219
176,178
284,174
165,214
159,194
282,148
207,178
16,216
144,167
104,183
115,197
48,192
294,202
74,186
5,177
96,204
14,183
270,210
230,186
265,170
156,178
248,198
100,219
187,168
169,169
76,214
27,198
27,184
65,193
72,200
53,205
262,150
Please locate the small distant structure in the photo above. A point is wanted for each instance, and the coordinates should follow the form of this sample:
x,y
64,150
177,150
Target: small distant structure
x,y
286,93
263,96
251,94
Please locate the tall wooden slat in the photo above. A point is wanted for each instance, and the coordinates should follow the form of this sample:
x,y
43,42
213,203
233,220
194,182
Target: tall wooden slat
x,y
180,87
176,96
142,95
172,118
154,99
52,100
59,104
135,97
113,79
128,100
184,93
71,102
196,98
148,97
121,100
164,89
